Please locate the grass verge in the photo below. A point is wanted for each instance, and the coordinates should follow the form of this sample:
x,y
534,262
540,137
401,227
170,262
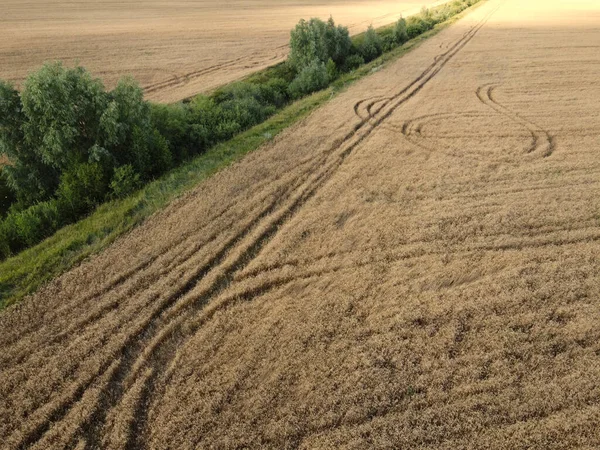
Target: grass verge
x,y
24,273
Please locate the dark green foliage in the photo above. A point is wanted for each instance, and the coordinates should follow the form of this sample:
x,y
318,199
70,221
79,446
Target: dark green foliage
x,y
338,42
274,92
332,71
353,62
172,122
125,181
400,32
64,134
387,42
81,189
312,78
371,46
30,178
283,71
7,196
244,104
62,110
128,134
22,229
193,127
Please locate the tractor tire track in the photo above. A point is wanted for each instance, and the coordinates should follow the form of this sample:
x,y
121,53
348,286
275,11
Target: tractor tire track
x,y
412,130
199,301
133,345
243,61
542,141
432,68
176,256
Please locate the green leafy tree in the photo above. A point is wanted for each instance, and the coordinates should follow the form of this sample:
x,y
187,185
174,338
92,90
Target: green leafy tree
x,y
310,79
317,40
81,189
21,229
64,135
62,108
372,45
125,181
400,32
338,42
307,43
28,177
128,135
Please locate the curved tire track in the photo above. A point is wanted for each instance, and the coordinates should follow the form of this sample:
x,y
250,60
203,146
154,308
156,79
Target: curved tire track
x,y
542,141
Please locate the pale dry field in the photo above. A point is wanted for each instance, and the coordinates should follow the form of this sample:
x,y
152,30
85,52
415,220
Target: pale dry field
x,y
174,49
415,265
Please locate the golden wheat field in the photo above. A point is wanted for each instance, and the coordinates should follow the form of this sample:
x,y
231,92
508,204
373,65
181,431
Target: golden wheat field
x,y
416,265
174,49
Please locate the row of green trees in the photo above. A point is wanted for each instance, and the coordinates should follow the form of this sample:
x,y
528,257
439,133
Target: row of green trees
x,y
72,145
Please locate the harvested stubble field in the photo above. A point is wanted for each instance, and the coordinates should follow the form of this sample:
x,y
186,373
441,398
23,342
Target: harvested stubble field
x,y
416,265
174,49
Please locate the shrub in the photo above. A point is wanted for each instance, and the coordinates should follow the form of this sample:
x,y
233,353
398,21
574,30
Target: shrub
x,y
149,153
312,78
331,68
353,62
427,17
204,119
274,92
172,122
400,33
371,46
244,104
415,26
125,181
387,42
81,189
25,228
7,197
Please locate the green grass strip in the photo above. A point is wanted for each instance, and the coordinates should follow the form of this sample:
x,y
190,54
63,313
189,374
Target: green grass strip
x,y
24,273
